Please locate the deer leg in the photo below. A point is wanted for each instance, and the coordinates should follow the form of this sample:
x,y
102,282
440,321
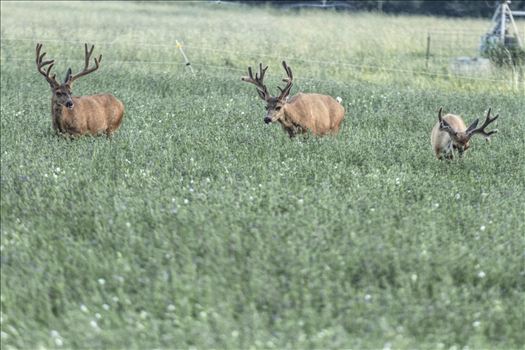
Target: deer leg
x,y
67,136
449,151
445,154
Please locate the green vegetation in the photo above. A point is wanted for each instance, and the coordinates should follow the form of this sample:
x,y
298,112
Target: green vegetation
x,y
199,225
503,56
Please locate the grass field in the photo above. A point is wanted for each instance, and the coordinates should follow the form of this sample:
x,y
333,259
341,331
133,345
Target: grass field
x,y
198,225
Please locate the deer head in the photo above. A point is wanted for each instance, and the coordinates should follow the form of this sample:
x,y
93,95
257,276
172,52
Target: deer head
x,y
461,138
62,92
274,104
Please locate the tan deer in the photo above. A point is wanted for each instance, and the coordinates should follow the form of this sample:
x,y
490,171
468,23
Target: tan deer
x,y
450,133
317,113
79,115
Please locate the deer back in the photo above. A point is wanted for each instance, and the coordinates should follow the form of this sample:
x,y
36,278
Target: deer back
x,y
318,113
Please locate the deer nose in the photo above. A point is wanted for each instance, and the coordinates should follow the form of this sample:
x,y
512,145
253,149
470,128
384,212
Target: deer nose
x,y
267,120
69,104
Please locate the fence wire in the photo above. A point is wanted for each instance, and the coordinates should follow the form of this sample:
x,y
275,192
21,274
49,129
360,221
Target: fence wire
x,y
247,54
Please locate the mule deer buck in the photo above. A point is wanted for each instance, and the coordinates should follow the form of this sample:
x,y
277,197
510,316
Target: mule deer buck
x,y
450,133
79,115
317,113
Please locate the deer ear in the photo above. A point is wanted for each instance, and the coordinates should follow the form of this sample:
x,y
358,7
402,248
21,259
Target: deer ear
x,y
473,125
444,125
68,76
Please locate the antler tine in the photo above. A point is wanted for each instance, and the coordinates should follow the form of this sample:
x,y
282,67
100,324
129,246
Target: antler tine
x,y
262,72
38,58
40,65
49,70
87,56
288,80
258,81
288,71
481,129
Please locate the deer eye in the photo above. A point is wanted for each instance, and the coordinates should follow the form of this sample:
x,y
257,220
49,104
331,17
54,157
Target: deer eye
x,y
278,108
58,93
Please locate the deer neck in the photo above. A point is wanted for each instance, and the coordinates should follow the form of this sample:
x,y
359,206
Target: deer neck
x,y
291,117
290,122
56,108
57,115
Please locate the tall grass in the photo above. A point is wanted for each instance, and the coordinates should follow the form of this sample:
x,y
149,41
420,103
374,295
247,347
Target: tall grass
x,y
198,225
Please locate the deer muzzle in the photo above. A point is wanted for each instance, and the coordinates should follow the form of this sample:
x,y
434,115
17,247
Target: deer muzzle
x,y
267,119
69,104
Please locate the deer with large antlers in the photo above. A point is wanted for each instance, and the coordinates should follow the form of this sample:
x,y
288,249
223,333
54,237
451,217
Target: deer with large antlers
x,y
79,115
320,114
450,132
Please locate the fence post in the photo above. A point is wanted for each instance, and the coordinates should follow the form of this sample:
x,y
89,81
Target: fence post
x,y
186,61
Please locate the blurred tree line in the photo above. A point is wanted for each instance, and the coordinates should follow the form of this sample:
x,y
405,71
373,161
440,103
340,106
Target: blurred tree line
x,y
454,8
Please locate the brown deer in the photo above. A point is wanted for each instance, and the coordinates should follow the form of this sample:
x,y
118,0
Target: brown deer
x,y
79,115
303,112
450,133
